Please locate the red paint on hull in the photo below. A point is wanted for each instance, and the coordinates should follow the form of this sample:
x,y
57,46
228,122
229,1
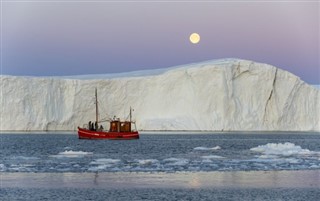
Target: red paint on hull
x,y
101,135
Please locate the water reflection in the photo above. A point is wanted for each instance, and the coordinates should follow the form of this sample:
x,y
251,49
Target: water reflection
x,y
197,180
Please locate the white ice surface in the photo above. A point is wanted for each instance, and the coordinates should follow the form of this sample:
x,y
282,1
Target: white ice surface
x,y
218,95
206,148
271,150
72,154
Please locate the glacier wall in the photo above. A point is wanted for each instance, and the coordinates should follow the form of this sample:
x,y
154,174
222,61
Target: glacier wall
x,y
217,95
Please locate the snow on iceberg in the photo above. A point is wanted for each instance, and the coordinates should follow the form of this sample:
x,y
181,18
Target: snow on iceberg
x,y
282,149
228,95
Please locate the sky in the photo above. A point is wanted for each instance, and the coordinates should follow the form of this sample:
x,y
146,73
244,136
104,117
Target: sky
x,y
69,37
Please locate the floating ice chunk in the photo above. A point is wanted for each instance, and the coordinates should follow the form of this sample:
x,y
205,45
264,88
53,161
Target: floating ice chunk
x,y
72,154
176,161
207,161
2,168
105,161
147,161
25,158
103,164
282,149
98,168
76,166
314,166
207,148
21,168
212,157
274,160
292,160
268,157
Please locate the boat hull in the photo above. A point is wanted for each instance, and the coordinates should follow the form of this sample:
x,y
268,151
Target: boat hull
x,y
102,135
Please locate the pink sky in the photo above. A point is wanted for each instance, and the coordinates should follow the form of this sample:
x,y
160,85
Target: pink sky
x,y
68,38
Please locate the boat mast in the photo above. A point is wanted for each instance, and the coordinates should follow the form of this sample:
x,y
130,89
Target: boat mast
x,y
130,114
96,106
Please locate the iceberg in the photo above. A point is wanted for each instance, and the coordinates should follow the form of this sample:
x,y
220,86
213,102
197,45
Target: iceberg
x,y
216,95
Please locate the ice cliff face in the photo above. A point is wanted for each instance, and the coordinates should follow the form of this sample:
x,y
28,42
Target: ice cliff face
x,y
216,95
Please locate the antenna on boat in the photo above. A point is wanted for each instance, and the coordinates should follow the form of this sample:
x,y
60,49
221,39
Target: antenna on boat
x,y
96,106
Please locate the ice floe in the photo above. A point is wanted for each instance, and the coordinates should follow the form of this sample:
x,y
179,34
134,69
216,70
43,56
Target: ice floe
x,y
104,161
282,149
148,161
103,164
2,168
274,161
212,157
72,154
25,158
269,156
176,161
207,148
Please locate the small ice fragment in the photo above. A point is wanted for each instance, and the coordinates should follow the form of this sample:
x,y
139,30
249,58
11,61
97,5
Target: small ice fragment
x,y
207,148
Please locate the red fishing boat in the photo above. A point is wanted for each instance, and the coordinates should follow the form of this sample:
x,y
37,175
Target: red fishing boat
x,y
119,130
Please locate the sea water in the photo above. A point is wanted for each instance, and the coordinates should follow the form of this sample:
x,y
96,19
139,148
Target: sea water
x,y
184,166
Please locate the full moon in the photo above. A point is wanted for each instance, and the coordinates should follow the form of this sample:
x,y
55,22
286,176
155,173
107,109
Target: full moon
x,y
194,38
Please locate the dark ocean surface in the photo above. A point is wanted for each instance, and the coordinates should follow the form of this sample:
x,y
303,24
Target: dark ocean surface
x,y
184,166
